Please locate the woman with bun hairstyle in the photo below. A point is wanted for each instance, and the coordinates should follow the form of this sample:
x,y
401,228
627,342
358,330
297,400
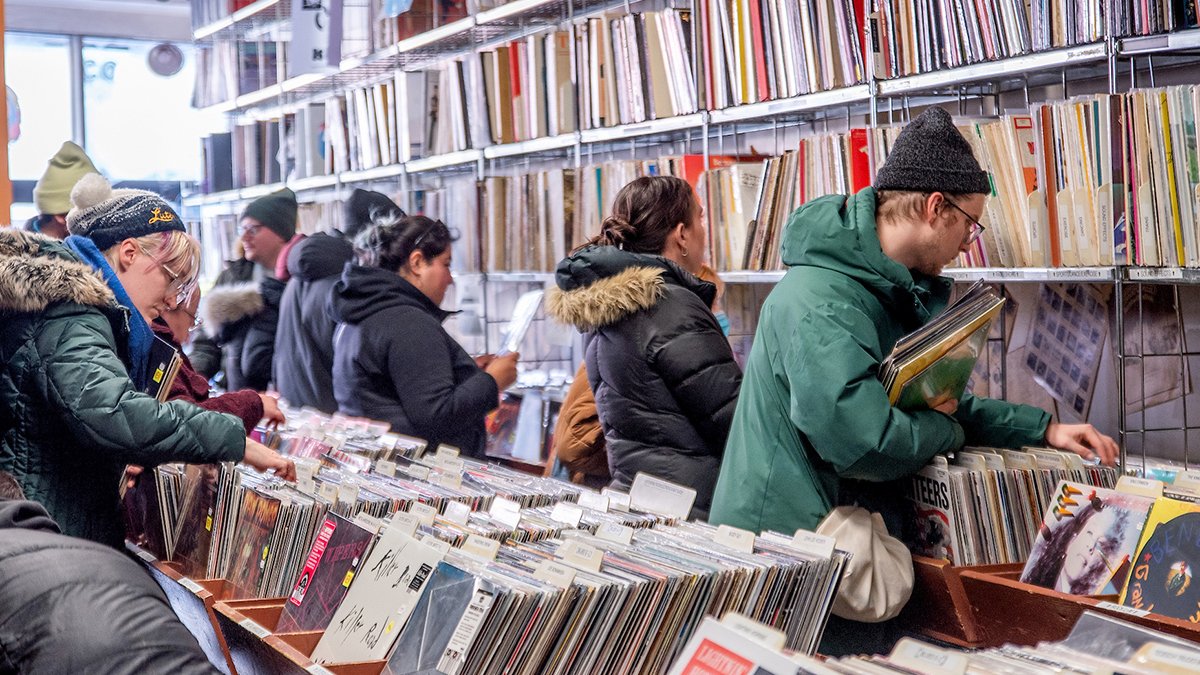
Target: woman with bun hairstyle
x,y
658,363
76,350
392,360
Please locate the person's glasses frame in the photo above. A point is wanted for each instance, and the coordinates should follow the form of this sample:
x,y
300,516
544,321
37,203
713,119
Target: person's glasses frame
x,y
977,228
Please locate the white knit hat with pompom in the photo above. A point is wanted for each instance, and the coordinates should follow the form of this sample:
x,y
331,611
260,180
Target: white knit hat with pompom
x,y
108,216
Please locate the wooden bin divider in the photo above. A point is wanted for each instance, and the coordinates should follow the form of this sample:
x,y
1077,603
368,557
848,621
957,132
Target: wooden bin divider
x,y
940,606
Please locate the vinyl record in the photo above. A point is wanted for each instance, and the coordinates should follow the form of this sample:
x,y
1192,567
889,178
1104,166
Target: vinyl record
x,y
1166,569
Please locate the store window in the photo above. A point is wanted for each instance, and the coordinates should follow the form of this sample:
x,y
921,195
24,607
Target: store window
x,y
38,72
138,118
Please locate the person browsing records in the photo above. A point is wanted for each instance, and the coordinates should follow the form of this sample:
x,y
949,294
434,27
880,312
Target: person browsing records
x,y
392,359
658,363
863,271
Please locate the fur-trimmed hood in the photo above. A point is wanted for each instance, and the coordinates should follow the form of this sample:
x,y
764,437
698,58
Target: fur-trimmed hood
x,y
601,285
228,304
37,272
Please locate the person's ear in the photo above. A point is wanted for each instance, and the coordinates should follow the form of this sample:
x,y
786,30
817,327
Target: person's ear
x,y
127,253
933,206
417,262
681,235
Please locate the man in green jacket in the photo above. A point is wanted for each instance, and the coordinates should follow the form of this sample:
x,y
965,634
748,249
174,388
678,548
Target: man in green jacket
x,y
863,272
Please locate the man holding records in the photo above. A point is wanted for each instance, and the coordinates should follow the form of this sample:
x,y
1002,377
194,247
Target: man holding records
x,y
813,417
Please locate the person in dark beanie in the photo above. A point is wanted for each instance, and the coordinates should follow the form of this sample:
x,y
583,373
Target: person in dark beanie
x,y
241,312
303,367
864,271
69,605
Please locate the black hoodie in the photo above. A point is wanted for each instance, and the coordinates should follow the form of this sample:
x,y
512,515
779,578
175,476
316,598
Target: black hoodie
x,y
394,362
69,605
303,361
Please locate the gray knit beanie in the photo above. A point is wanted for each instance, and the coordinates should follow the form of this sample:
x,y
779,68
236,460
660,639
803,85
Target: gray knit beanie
x,y
108,216
931,155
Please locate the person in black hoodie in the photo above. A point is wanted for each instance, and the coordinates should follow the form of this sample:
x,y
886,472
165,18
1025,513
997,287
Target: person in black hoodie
x,y
657,360
69,605
392,360
303,363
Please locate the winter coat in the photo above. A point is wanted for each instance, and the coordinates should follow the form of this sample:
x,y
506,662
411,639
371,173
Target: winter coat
x,y
578,436
813,413
661,370
243,316
73,606
207,355
193,387
393,361
70,419
304,343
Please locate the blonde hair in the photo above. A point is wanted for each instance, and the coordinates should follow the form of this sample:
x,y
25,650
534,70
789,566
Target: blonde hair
x,y
899,205
177,251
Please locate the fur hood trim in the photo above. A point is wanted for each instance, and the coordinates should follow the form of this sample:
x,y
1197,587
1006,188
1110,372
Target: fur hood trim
x,y
230,303
37,272
607,300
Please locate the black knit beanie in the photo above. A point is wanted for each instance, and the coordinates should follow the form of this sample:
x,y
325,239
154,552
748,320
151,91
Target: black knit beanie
x,y
363,207
108,216
276,211
930,155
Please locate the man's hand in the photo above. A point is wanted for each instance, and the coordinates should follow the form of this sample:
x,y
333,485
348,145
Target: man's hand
x,y
132,471
949,406
271,412
262,458
1083,440
483,360
504,370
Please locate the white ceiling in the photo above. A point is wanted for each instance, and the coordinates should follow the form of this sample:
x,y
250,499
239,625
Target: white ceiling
x,y
148,19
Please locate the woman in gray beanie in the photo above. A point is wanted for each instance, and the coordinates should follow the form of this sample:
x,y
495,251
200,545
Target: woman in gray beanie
x,y
76,352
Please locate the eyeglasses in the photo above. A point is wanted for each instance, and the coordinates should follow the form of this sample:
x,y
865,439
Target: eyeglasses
x,y
977,228
182,289
197,322
251,230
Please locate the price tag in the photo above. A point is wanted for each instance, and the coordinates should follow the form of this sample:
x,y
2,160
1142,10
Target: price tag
x,y
760,633
424,513
385,467
922,658
407,522
818,545
190,585
451,480
253,626
458,512
329,492
1122,609
348,491
481,547
615,532
581,555
418,472
735,538
593,501
1168,658
389,441
146,555
656,495
318,669
306,485
436,544
618,501
445,451
566,512
208,523
559,576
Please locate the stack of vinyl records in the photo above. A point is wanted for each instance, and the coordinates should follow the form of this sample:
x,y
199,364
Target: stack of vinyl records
x,y
151,506
933,364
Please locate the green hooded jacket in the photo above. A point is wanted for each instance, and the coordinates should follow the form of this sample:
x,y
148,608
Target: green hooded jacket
x,y
70,419
812,412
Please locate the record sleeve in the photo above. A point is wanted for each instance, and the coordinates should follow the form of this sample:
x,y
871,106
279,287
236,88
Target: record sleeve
x,y
333,558
1167,557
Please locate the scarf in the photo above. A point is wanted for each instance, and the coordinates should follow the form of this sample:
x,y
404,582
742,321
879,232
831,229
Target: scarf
x,y
140,335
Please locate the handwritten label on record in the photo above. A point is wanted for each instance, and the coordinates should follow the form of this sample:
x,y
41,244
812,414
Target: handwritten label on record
x,y
581,555
458,512
818,545
615,532
735,538
1168,657
568,513
385,467
481,547
594,501
554,574
618,501
656,495
424,513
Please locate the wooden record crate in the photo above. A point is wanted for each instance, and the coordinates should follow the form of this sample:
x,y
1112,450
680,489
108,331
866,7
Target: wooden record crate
x,y
1007,611
256,648
941,607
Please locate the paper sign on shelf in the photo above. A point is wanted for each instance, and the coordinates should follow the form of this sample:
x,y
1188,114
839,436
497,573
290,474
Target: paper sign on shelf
x,y
568,513
760,633
581,555
458,512
594,501
618,501
555,574
424,513
735,538
385,467
615,532
481,547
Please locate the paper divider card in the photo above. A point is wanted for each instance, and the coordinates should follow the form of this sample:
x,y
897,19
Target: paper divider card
x,y
385,467
655,495
618,501
457,512
506,511
581,555
481,547
418,472
735,538
555,574
759,632
594,501
568,513
615,532
406,521
447,451
819,545
424,513
1145,487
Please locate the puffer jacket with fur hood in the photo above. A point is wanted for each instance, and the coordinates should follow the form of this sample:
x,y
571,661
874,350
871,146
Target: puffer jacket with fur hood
x,y
243,317
70,419
661,369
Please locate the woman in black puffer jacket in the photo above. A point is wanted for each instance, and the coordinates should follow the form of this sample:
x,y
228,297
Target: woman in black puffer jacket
x,y
662,370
